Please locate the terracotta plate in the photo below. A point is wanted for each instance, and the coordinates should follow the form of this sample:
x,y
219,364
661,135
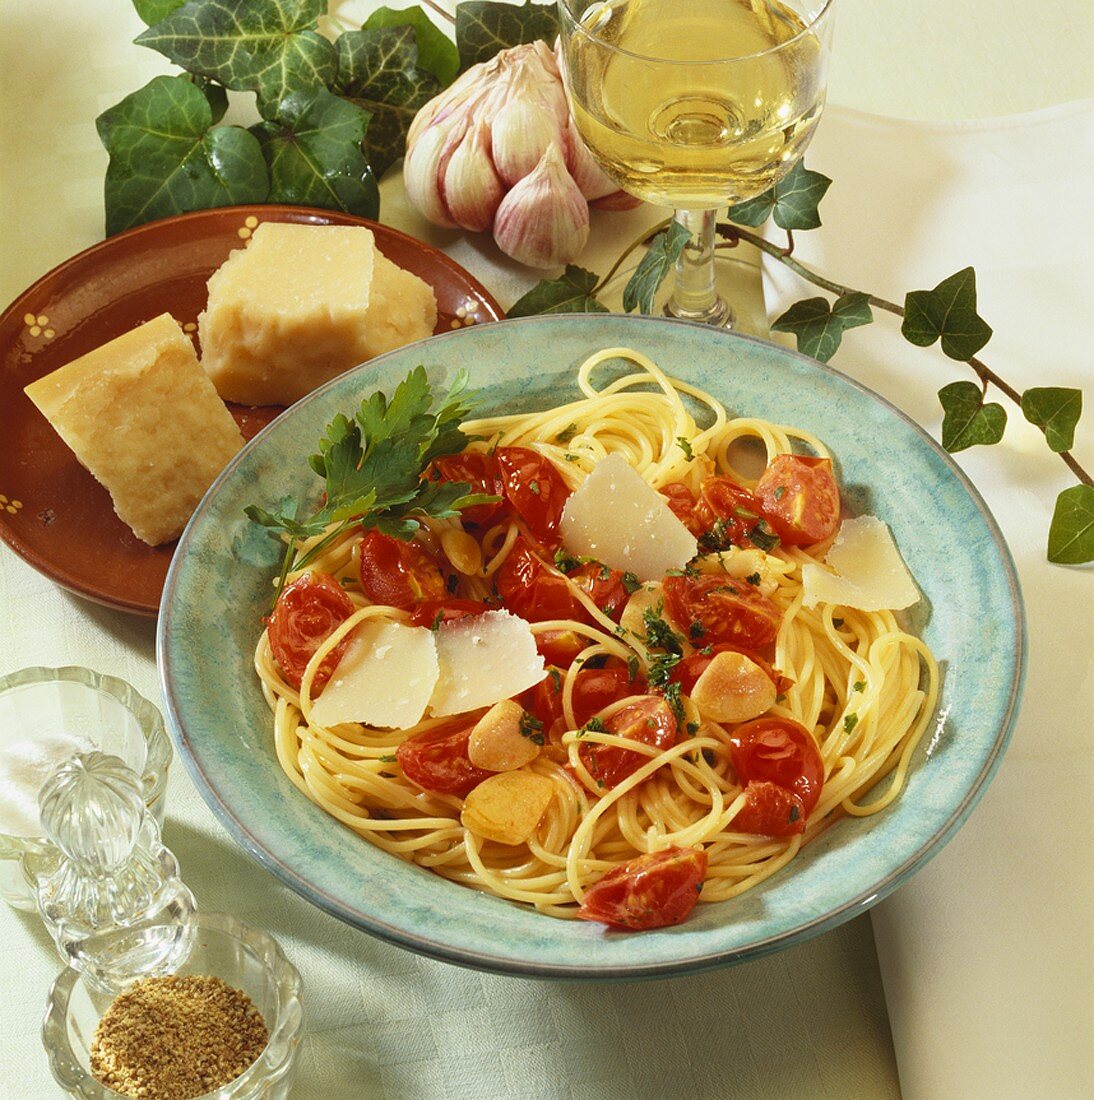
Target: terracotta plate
x,y
52,511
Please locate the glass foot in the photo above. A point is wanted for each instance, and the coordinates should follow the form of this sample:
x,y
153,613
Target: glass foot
x,y
717,314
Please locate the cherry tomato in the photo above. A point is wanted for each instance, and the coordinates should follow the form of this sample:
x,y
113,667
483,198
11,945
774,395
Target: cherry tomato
x,y
780,751
692,667
534,590
425,614
683,503
482,473
561,647
437,760
306,613
594,689
771,810
647,720
603,586
727,509
398,573
535,490
713,608
651,891
800,498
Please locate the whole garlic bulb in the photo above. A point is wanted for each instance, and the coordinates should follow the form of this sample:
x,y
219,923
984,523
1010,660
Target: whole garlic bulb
x,y
498,150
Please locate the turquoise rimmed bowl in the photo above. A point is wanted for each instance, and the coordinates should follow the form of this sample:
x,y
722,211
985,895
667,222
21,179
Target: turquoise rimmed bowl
x,y
218,589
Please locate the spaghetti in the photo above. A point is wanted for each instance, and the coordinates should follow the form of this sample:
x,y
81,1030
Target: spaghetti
x,y
861,687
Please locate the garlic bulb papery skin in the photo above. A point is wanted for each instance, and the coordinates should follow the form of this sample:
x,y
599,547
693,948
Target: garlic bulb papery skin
x,y
544,216
497,142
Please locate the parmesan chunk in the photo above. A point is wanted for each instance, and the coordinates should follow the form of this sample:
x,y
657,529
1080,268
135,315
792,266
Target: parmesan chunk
x,y
870,574
484,659
617,518
300,305
143,417
385,678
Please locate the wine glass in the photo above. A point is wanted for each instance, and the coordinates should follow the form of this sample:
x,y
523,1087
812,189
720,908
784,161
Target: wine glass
x,y
696,105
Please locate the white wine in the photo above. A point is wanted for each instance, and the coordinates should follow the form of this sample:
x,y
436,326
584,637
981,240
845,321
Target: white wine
x,y
695,104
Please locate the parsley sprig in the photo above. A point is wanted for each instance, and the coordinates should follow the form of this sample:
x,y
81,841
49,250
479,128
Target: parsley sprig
x,y
373,463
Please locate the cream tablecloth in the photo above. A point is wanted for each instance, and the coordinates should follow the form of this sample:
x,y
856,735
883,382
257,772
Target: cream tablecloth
x,y
810,1022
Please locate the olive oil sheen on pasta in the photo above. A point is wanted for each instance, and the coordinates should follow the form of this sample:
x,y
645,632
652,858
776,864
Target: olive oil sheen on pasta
x,y
723,127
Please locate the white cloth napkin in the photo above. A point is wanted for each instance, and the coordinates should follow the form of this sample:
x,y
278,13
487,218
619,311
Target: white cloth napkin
x,y
987,954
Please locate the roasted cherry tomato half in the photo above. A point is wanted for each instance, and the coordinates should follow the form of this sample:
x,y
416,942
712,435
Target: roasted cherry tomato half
x,y
398,573
534,590
594,689
437,760
651,891
561,647
692,667
647,720
535,490
603,586
482,473
780,751
307,612
800,498
683,504
434,612
770,810
713,608
728,511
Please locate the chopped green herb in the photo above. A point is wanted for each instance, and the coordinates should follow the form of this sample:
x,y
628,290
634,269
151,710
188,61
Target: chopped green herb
x,y
763,537
531,727
388,759
570,457
534,486
859,685
685,445
437,620
631,583
781,697
556,678
692,729
594,725
696,630
849,722
745,513
753,578
675,702
710,756
716,539
780,492
707,650
566,434
632,668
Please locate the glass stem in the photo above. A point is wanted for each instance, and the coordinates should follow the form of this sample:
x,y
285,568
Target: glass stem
x,y
694,297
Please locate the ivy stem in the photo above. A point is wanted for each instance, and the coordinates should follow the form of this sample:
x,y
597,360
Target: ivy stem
x,y
647,235
734,233
439,10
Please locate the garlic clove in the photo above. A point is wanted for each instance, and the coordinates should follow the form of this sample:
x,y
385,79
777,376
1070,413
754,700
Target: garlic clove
x,y
471,188
588,175
524,125
544,219
425,164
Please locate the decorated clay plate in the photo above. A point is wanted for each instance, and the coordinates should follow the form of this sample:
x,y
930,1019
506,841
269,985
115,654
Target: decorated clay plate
x,y
52,511
971,616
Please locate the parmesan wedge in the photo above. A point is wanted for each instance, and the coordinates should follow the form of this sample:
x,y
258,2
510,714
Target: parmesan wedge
x,y
864,571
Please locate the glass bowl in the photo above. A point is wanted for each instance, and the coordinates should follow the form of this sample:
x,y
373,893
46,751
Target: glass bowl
x,y
223,947
109,713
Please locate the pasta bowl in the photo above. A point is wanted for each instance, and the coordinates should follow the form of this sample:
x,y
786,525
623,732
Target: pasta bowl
x,y
971,615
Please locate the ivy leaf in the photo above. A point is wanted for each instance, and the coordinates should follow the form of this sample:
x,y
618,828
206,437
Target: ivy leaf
x,y
485,28
152,11
571,292
267,46
820,328
312,146
1071,534
968,421
216,94
377,70
792,202
949,312
166,156
437,53
664,251
1055,411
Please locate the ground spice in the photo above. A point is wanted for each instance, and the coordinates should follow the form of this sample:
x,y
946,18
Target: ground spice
x,y
176,1038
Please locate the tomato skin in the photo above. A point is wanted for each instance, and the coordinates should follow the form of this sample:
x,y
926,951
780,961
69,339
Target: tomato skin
x,y
647,720
726,610
561,647
450,609
651,891
780,751
722,499
437,761
534,590
603,586
398,573
535,490
800,498
771,810
594,689
683,503
693,666
307,612
482,473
